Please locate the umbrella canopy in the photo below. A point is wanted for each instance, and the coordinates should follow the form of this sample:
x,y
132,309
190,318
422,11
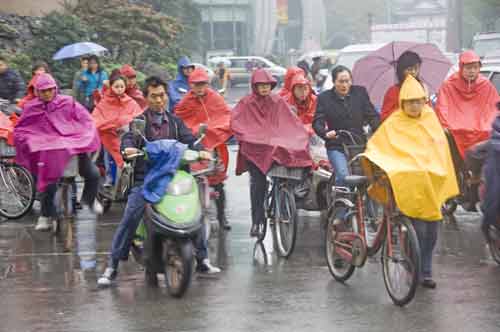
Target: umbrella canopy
x,y
377,71
78,49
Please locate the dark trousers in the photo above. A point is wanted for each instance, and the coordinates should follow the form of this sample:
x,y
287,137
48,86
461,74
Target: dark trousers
x,y
258,192
88,171
427,233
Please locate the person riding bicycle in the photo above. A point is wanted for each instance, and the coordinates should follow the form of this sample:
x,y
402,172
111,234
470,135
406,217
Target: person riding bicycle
x,y
419,167
466,108
52,129
302,100
114,112
160,124
180,86
203,105
291,72
11,83
268,133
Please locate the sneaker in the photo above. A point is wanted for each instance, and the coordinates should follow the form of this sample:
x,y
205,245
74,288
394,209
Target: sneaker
x,y
97,207
42,224
206,268
108,277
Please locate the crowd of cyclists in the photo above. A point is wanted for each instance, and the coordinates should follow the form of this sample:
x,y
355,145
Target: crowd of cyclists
x,y
409,142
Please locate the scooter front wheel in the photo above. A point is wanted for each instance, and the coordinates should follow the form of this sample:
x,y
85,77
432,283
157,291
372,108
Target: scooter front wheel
x,y
178,265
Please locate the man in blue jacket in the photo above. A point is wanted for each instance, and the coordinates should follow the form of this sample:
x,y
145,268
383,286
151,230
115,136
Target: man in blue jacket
x,y
160,124
11,84
180,86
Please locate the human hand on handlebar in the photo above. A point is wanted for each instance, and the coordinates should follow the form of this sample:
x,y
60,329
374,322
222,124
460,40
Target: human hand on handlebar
x,y
206,155
331,134
130,151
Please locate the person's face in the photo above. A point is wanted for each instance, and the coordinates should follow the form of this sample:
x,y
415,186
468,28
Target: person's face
x,y
93,65
84,64
343,83
3,67
118,87
301,91
413,71
264,89
40,70
187,70
470,71
47,95
157,98
131,81
413,108
199,88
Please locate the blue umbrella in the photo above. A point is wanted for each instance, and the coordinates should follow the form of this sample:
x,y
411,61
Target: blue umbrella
x,y
78,49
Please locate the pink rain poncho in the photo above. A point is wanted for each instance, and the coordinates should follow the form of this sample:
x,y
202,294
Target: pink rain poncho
x,y
48,134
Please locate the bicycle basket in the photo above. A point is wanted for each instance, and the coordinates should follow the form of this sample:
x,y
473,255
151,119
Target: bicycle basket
x,y
6,150
351,152
293,173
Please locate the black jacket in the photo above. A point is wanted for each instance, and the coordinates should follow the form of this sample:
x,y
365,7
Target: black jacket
x,y
491,203
351,113
11,86
176,130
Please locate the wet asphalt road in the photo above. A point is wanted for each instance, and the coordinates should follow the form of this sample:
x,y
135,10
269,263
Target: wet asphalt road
x,y
44,288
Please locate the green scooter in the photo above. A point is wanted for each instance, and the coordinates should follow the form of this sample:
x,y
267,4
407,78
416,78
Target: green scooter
x,y
170,227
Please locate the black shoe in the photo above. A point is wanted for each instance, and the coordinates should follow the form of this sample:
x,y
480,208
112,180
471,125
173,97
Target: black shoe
x,y
78,205
429,283
254,231
225,224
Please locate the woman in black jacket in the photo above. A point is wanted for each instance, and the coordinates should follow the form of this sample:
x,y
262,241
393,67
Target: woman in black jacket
x,y
344,107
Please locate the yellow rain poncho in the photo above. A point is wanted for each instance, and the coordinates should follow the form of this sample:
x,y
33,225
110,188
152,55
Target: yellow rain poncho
x,y
414,154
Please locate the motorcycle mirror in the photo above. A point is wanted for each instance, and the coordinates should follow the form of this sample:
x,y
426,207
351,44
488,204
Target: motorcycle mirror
x,y
203,129
138,126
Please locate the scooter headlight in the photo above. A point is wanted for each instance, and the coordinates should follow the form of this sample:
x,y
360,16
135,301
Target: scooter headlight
x,y
180,187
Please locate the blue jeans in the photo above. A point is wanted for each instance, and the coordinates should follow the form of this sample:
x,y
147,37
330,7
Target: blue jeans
x,y
132,216
427,233
339,163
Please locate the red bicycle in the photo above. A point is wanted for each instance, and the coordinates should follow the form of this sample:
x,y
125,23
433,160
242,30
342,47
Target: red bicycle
x,y
365,230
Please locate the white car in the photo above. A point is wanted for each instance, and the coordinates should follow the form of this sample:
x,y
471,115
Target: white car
x,y
240,65
493,74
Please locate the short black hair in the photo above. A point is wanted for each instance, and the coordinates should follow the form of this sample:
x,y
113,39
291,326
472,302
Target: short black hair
x,y
406,60
40,64
339,69
116,76
154,82
96,59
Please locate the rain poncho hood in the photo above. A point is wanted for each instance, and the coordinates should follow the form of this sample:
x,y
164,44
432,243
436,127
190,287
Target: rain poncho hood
x,y
212,110
180,82
30,92
49,134
289,76
306,109
112,113
163,159
414,154
133,91
268,131
467,109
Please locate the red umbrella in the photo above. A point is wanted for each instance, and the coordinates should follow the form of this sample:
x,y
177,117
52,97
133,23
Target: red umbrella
x,y
377,71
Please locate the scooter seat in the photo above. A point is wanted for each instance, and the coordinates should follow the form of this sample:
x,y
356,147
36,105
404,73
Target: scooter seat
x,y
355,180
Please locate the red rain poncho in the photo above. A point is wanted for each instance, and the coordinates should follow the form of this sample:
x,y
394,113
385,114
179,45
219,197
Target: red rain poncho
x,y
212,110
7,127
391,102
30,93
268,131
111,114
306,109
290,74
467,109
48,134
133,91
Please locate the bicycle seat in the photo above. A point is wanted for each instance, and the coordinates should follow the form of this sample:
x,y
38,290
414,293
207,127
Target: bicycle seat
x,y
355,180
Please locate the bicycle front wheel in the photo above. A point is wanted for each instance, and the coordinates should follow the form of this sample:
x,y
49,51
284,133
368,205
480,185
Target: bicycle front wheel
x,y
17,191
401,261
285,223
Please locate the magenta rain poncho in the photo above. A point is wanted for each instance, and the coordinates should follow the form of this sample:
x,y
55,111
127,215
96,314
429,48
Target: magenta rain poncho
x,y
48,134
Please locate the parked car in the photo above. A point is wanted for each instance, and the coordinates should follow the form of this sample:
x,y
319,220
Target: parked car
x,y
486,42
348,57
492,58
240,72
493,74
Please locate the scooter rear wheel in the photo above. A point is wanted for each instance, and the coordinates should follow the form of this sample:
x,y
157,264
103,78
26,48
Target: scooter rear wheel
x,y
178,265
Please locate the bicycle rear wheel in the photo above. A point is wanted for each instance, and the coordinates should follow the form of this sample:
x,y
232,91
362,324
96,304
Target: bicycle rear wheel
x,y
17,191
401,266
285,224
